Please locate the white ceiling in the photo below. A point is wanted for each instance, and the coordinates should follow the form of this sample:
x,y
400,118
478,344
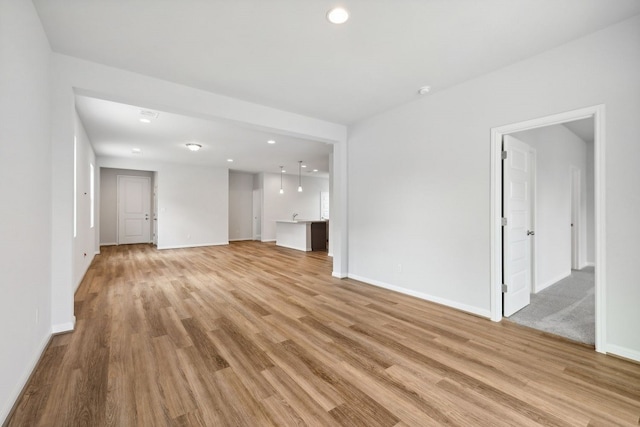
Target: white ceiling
x,y
115,130
284,54
583,128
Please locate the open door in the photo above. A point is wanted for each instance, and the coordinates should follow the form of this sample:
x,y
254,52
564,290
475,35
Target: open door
x,y
516,233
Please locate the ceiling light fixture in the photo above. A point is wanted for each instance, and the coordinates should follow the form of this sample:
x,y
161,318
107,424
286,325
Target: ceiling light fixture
x,y
300,176
315,170
424,90
281,172
337,15
271,141
193,146
145,121
230,160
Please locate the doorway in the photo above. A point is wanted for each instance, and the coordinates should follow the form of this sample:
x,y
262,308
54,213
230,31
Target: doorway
x,y
597,114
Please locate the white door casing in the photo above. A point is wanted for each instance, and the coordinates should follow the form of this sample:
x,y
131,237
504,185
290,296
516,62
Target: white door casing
x,y
516,234
133,209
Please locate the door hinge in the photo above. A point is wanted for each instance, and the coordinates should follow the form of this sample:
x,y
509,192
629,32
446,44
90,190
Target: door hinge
x,y
503,221
504,155
504,288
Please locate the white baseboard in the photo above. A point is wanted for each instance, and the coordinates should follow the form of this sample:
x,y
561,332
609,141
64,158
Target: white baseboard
x,y
241,240
339,275
64,327
199,245
548,283
589,264
17,389
453,304
330,254
623,352
109,244
268,240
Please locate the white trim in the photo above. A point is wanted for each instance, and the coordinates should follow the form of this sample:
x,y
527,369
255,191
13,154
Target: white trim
x,y
453,304
64,327
623,352
268,240
109,244
199,245
589,264
550,282
598,114
339,275
241,240
22,382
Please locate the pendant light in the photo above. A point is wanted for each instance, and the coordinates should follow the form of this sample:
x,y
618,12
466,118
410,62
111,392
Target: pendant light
x,y
300,176
281,171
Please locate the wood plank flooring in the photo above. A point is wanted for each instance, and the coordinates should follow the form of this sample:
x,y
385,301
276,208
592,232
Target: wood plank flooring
x,y
251,334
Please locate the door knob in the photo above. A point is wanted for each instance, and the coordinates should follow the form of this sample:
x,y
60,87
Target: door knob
x,y
530,233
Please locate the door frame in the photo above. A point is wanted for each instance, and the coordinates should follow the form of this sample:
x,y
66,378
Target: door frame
x,y
596,112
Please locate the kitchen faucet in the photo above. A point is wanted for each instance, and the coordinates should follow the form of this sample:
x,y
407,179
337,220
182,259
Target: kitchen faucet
x,y
294,216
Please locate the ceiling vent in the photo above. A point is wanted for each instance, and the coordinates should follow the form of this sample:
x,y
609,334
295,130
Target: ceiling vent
x,y
149,114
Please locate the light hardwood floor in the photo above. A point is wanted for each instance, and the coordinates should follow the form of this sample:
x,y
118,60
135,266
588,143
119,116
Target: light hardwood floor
x,y
255,335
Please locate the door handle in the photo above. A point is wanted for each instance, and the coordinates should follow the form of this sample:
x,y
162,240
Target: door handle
x,y
530,233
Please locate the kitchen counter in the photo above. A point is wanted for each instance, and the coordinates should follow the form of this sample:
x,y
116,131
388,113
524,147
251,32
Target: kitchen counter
x,y
302,235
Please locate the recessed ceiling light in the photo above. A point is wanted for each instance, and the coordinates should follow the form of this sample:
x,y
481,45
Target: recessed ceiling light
x,y
284,171
145,120
271,141
337,15
424,90
230,160
193,146
315,170
304,166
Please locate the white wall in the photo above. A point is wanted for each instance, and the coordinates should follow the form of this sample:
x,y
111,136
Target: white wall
x,y
557,151
193,202
419,176
240,206
276,206
109,202
25,192
84,244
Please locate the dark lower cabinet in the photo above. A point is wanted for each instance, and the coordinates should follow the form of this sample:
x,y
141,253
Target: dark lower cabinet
x,y
318,236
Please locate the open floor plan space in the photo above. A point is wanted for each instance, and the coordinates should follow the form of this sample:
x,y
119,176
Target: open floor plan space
x,y
251,334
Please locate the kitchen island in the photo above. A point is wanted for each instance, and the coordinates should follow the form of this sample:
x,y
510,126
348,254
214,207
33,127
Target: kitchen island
x,y
302,235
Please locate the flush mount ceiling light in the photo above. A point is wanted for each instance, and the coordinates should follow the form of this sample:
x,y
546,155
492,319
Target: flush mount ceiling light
x,y
193,146
230,160
143,120
337,15
271,141
424,90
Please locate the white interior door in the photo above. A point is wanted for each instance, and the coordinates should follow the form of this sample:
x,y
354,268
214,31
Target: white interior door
x,y
516,234
257,214
134,198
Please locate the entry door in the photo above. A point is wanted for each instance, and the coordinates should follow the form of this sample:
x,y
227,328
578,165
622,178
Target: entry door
x,y
133,209
516,234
